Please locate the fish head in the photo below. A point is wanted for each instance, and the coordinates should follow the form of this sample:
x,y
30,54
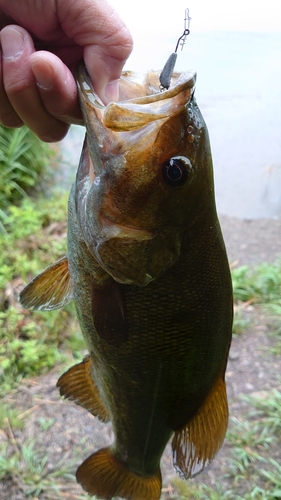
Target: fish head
x,y
144,173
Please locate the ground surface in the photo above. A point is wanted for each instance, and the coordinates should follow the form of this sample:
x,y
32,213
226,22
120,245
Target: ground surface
x,y
72,434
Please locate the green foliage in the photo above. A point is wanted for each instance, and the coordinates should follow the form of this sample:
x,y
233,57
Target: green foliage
x,y
32,343
189,490
248,440
11,414
46,423
32,240
260,284
29,466
268,409
24,160
240,323
274,477
251,442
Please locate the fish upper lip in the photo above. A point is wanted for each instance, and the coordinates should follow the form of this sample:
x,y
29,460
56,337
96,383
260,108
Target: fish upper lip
x,y
112,229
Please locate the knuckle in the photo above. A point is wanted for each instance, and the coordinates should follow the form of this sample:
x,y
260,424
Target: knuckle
x,y
13,88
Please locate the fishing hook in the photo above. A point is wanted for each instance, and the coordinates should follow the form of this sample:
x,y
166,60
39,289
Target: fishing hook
x,y
186,31
166,73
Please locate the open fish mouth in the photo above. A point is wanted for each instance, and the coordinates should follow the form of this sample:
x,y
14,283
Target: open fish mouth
x,y
136,92
137,116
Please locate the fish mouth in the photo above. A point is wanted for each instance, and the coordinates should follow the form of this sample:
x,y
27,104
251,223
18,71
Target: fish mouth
x,y
136,89
142,104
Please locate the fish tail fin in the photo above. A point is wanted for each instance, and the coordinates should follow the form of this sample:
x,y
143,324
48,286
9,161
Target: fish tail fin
x,y
102,474
195,445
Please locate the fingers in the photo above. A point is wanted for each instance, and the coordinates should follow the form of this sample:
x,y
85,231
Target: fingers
x,y
105,61
106,40
105,71
8,116
56,86
36,89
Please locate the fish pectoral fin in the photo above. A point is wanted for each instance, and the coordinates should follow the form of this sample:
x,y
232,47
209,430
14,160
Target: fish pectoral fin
x,y
51,289
102,474
77,385
195,445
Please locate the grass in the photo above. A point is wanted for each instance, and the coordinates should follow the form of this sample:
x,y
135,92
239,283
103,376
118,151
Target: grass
x,y
259,285
30,468
250,471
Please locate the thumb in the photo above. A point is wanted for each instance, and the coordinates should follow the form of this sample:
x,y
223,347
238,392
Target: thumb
x,y
104,64
105,39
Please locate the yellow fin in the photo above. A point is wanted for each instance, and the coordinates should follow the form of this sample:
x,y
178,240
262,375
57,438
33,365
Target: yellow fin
x,y
195,445
77,385
50,290
105,476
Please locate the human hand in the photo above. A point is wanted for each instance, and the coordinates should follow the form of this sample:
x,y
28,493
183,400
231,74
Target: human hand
x,y
41,44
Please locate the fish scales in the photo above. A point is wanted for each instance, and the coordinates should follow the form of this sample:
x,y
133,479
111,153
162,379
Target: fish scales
x,y
148,272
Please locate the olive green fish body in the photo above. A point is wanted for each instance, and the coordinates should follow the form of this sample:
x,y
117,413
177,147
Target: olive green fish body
x,y
148,271
173,346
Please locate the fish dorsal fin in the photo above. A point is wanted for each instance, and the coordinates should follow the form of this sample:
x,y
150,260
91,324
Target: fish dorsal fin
x,y
102,474
51,289
77,385
195,445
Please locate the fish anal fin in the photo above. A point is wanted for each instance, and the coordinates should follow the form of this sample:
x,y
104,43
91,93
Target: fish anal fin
x,y
105,476
77,385
51,289
195,445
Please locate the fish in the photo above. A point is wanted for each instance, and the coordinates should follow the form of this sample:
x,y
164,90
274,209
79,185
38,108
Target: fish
x,y
147,269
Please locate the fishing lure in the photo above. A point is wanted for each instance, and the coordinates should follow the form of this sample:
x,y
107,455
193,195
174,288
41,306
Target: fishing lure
x,y
167,71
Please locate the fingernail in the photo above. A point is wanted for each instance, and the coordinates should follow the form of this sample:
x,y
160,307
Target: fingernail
x,y
112,91
44,77
12,43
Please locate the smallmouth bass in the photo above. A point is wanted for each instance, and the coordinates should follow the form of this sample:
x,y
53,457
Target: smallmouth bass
x,y
149,275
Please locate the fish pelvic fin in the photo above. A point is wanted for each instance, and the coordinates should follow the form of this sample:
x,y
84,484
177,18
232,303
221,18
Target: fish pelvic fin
x,y
77,385
195,445
51,289
102,474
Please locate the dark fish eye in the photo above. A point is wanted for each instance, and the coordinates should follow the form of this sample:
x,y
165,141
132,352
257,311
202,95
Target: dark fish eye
x,y
176,171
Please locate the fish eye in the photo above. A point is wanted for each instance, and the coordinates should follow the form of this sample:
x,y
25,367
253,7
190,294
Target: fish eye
x,y
176,171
